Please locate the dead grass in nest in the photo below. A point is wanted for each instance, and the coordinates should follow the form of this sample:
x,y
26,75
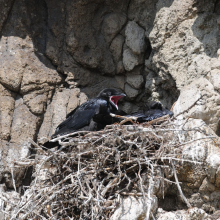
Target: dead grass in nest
x,y
87,176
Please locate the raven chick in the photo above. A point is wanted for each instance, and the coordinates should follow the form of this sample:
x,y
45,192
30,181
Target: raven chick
x,y
81,118
150,112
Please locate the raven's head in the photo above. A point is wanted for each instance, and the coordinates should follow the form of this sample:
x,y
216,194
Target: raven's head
x,y
111,95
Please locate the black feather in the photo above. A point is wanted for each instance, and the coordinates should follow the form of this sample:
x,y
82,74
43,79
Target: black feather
x,y
150,112
81,118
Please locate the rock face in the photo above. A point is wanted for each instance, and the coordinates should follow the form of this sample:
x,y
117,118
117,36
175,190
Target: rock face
x,y
193,214
133,208
54,55
135,37
200,100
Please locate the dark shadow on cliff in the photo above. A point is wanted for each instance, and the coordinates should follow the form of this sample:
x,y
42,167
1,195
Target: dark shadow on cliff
x,y
206,28
29,18
48,25
46,22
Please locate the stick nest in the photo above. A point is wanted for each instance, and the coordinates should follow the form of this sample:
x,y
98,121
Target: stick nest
x,y
87,176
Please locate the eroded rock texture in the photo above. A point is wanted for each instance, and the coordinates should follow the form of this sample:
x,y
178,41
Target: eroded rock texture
x,y
51,47
54,55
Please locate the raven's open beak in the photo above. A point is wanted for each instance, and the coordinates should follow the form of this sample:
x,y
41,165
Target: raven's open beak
x,y
114,99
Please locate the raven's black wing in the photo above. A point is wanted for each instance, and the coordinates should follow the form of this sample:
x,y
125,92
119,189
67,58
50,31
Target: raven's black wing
x,y
80,117
151,114
107,119
153,105
151,111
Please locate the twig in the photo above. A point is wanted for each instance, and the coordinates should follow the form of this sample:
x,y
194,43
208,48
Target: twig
x,y
68,135
190,106
150,187
155,121
132,119
189,142
180,159
12,176
124,117
87,180
179,188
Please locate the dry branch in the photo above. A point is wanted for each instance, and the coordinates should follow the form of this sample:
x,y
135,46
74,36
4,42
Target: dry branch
x,y
86,178
179,188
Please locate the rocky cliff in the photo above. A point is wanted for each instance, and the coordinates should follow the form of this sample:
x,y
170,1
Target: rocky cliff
x,y
54,55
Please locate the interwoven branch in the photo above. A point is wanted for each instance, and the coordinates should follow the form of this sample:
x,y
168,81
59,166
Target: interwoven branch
x,y
87,176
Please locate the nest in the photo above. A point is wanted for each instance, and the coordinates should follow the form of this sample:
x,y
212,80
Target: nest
x,y
87,176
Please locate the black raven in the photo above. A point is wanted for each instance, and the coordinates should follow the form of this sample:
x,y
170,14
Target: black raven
x,y
150,112
81,118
